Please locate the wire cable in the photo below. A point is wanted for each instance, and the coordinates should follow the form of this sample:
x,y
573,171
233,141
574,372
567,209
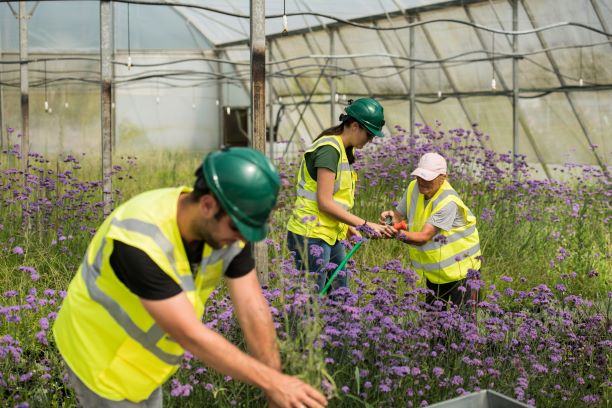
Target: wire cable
x,y
370,27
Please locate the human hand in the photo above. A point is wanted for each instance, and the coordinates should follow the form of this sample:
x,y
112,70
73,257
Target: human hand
x,y
381,230
352,232
386,215
290,392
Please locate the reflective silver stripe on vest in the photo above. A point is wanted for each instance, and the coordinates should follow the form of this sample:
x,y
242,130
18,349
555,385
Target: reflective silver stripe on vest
x,y
448,261
345,167
226,254
153,231
341,167
442,196
325,139
147,339
456,236
414,197
312,196
302,180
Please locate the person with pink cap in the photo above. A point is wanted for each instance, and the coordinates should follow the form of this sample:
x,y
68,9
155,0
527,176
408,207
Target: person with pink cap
x,y
440,231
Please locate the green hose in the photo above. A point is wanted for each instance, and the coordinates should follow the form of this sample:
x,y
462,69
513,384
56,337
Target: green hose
x,y
344,261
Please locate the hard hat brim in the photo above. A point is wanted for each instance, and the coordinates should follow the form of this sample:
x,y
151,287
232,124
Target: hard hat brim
x,y
250,233
376,132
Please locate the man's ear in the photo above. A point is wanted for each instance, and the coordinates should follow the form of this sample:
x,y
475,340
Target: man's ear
x,y
208,205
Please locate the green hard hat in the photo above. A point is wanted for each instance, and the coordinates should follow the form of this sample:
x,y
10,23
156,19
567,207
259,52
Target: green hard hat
x,y
369,113
246,184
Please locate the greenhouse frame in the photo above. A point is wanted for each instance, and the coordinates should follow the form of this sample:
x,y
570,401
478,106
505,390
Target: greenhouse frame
x,y
305,203
534,76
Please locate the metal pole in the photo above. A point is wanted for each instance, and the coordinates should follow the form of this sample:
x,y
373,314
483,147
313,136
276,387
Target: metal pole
x,y
271,98
25,98
332,81
106,101
515,86
258,108
2,111
412,79
220,102
258,74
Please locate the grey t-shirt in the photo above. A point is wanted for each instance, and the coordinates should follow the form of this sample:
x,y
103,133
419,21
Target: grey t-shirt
x,y
447,218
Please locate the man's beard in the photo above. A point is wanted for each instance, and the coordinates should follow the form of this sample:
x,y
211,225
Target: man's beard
x,y
208,239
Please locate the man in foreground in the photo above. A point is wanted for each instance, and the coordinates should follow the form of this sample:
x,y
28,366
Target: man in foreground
x,y
136,302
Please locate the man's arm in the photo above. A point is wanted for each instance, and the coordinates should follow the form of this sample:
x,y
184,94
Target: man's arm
x,y
176,316
418,237
255,319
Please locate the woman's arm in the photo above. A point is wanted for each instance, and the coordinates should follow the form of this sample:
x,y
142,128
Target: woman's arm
x,y
326,203
325,192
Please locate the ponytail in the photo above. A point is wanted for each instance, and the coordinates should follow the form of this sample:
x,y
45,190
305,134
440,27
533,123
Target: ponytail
x,y
345,121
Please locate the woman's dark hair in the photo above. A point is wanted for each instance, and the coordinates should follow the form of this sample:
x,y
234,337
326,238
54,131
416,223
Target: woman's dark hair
x,y
200,188
345,121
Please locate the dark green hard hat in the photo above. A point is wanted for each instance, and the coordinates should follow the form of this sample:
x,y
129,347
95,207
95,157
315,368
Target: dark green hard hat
x,y
246,184
369,113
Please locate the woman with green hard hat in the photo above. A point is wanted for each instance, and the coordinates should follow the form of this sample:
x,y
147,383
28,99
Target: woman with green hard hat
x,y
325,192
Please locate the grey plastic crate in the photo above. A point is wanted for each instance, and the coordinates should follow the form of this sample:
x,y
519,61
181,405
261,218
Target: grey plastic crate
x,y
481,399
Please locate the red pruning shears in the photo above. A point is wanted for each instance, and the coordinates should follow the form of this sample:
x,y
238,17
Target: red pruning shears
x,y
402,225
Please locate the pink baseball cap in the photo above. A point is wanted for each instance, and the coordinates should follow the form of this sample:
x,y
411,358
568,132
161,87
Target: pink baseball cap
x,y
430,166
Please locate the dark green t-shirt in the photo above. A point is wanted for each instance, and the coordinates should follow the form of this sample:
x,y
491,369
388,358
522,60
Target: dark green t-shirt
x,y
325,156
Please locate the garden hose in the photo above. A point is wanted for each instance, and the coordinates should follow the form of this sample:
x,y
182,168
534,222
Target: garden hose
x,y
344,261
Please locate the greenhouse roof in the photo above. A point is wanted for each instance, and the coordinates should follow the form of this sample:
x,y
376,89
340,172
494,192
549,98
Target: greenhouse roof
x,y
218,22
454,61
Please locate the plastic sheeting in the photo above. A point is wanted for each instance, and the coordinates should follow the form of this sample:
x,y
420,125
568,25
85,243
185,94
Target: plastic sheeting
x,y
564,74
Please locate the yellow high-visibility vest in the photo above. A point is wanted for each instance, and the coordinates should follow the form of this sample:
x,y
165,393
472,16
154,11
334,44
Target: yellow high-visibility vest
x,y
449,255
102,330
306,219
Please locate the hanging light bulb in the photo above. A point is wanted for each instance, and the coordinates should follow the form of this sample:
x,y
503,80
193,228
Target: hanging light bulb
x,y
493,84
46,106
66,105
113,105
439,93
50,110
581,82
217,102
228,110
336,96
129,62
157,99
344,97
285,23
280,99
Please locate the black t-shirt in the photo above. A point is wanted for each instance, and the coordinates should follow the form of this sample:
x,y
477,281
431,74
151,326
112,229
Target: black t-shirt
x,y
136,270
